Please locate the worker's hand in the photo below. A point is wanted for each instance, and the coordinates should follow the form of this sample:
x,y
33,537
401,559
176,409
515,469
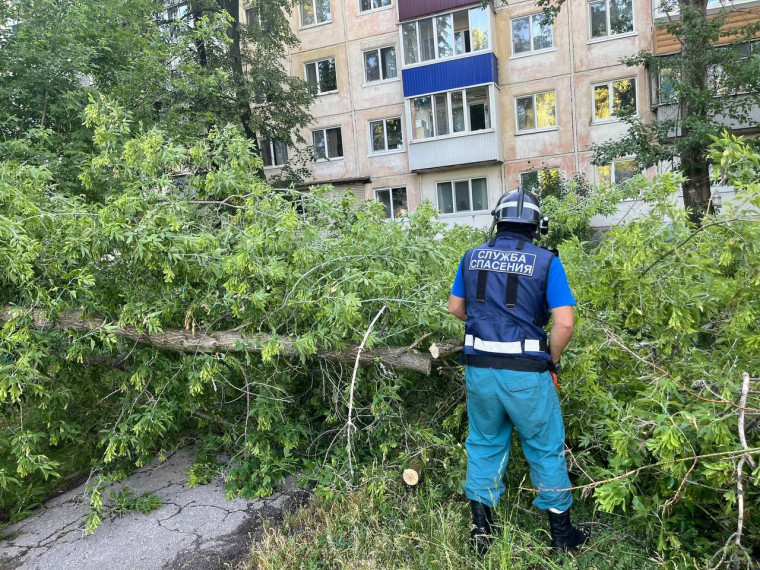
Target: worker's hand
x,y
554,371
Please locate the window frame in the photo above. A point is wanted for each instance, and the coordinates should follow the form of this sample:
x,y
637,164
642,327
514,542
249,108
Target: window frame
x,y
456,212
450,115
656,82
609,36
360,12
380,59
390,189
611,99
532,51
370,147
612,169
252,14
716,70
316,63
540,172
327,158
314,7
536,129
272,153
434,21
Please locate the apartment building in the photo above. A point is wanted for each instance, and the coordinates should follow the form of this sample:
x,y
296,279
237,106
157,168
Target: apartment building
x,y
456,103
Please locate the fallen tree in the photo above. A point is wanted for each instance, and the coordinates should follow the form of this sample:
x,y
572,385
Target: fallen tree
x,y
205,342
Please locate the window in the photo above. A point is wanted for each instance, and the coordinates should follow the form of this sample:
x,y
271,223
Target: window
x,y
665,84
619,172
462,196
315,12
722,80
535,180
380,64
274,152
532,33
321,76
367,5
394,201
622,102
451,112
749,49
446,35
610,17
386,135
536,112
328,143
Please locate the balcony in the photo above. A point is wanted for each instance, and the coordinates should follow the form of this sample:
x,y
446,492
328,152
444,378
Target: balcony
x,y
410,9
470,149
451,74
669,112
454,127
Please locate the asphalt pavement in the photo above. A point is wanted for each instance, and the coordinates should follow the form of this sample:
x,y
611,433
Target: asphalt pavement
x,y
194,528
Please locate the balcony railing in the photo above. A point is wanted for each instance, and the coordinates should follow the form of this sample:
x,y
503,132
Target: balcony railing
x,y
670,112
478,147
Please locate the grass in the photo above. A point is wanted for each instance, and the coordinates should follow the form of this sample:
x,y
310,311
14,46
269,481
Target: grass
x,y
385,525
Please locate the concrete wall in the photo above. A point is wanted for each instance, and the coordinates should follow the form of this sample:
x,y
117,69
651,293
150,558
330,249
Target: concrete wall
x,y
570,69
346,38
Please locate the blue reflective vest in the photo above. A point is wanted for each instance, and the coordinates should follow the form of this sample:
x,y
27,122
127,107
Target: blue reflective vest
x,y
505,283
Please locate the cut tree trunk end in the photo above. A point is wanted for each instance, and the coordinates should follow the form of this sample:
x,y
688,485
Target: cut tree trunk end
x,y
444,348
412,475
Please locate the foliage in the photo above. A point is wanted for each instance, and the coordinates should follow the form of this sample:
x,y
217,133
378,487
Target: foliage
x,y
125,501
666,324
182,75
302,266
571,204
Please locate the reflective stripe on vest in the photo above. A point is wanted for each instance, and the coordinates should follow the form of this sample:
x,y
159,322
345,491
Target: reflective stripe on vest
x,y
496,347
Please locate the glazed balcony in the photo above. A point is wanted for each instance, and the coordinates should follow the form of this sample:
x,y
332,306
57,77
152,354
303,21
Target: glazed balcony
x,y
411,9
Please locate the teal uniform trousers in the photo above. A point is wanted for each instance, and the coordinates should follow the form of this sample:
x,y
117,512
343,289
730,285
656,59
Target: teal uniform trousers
x,y
498,401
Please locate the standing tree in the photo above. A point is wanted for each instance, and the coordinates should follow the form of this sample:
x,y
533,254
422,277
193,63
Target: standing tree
x,y
710,84
258,37
53,55
181,70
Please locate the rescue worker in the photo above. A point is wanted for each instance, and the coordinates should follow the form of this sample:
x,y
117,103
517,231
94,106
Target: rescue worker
x,y
506,290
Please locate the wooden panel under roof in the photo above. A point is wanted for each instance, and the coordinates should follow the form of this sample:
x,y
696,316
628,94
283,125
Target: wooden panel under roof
x,y
666,43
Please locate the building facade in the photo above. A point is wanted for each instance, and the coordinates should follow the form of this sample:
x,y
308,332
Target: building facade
x,y
456,103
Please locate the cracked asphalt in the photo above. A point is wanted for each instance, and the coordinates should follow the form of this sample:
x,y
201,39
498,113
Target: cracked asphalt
x,y
194,528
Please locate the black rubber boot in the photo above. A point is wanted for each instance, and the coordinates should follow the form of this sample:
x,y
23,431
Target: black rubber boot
x,y
564,534
482,521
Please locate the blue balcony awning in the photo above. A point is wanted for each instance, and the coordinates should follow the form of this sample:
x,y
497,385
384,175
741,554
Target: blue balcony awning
x,y
454,74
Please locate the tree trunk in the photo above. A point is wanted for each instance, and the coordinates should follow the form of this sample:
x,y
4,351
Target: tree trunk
x,y
177,340
696,188
241,94
412,475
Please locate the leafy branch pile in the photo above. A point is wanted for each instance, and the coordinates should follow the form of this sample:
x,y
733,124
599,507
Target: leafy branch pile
x,y
188,238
